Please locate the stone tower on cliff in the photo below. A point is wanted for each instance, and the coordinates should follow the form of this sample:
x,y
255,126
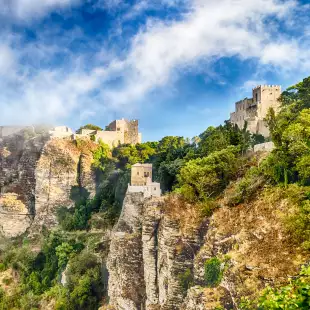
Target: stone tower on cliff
x,y
254,110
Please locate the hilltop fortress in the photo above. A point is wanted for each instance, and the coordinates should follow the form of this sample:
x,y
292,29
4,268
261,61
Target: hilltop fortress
x,y
254,110
116,133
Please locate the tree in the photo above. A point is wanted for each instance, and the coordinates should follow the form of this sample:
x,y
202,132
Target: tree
x,y
202,178
128,155
63,253
90,127
216,139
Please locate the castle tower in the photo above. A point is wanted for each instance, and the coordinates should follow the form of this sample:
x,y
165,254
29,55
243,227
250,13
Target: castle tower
x,y
141,181
265,97
254,110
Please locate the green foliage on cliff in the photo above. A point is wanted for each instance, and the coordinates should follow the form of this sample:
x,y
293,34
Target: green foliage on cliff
x,y
40,274
205,177
90,127
290,132
200,170
102,158
295,295
128,155
248,186
186,279
213,272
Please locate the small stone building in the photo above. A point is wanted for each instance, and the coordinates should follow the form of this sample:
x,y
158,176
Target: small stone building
x,y
254,110
141,181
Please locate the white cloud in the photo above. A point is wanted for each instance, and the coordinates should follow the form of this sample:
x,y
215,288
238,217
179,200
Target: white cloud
x,y
212,30
158,54
7,59
30,9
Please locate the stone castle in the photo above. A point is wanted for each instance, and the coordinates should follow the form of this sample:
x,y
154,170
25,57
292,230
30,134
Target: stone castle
x,y
116,133
141,181
254,110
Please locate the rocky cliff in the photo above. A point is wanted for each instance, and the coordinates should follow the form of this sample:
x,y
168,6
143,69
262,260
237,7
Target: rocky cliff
x,y
157,241
148,252
37,175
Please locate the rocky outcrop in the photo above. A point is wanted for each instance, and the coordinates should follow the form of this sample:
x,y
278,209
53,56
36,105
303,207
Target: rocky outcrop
x,y
148,253
155,243
43,174
18,157
125,260
63,175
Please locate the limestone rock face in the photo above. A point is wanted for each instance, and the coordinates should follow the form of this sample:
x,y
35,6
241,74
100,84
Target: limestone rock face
x,y
18,157
39,174
125,260
200,298
148,252
151,249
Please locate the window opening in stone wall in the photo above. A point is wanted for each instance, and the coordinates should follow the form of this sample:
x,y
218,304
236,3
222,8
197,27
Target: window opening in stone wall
x,y
154,188
118,129
146,174
256,97
138,173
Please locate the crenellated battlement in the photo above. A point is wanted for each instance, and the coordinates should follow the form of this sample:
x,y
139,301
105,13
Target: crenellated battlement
x,y
254,110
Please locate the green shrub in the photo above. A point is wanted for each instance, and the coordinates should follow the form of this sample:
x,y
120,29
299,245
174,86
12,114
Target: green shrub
x,y
295,295
84,281
213,272
207,207
2,267
186,279
247,187
298,224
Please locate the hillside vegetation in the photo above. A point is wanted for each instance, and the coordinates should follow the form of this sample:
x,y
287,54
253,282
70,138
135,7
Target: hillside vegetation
x,y
214,171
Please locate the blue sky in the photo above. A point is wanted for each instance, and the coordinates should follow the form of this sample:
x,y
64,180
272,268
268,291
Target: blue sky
x,y
176,65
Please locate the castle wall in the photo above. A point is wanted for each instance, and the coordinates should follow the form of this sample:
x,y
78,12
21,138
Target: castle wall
x,y
111,138
267,96
87,132
241,112
149,190
132,133
128,129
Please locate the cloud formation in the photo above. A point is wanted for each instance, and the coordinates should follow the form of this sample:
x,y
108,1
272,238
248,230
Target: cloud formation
x,y
32,9
160,52
210,31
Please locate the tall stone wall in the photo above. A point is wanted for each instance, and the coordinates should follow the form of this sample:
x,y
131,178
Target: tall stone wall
x,y
111,138
132,133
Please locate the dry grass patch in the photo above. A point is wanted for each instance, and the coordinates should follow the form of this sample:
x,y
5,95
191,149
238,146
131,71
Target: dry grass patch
x,y
11,203
188,215
264,251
